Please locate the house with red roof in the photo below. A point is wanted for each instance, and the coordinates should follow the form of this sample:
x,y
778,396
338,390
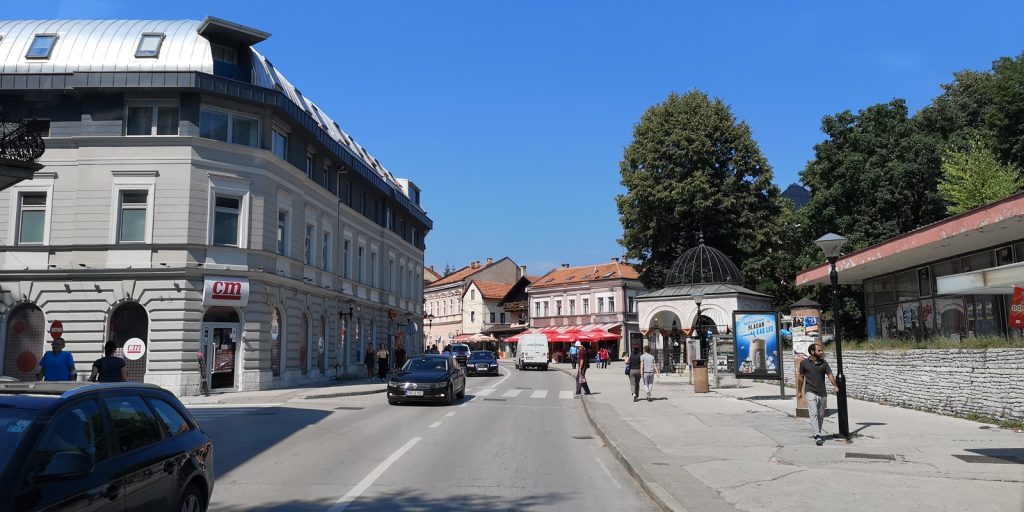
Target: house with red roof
x,y
443,299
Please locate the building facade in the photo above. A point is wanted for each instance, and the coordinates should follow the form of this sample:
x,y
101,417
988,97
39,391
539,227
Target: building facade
x,y
194,198
443,299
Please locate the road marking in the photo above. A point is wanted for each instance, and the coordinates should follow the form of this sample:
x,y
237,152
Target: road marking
x,y
507,375
367,481
565,395
449,415
435,424
512,393
484,392
609,473
540,393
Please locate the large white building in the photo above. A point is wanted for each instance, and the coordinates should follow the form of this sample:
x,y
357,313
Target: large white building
x,y
193,198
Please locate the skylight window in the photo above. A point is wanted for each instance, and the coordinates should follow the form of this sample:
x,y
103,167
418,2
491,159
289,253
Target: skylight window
x,y
609,274
149,45
570,278
42,46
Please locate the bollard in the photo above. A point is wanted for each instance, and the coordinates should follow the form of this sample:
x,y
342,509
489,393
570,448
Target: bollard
x,y
700,376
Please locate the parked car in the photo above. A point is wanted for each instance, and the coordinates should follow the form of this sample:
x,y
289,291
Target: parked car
x,y
79,446
461,352
482,362
429,378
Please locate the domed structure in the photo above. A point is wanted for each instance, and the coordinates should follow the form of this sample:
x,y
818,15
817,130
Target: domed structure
x,y
703,265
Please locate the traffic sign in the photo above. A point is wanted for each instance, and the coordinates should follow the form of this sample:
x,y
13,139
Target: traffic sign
x,y
134,349
56,329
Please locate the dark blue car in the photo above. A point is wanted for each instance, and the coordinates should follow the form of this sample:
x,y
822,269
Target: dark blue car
x,y
100,447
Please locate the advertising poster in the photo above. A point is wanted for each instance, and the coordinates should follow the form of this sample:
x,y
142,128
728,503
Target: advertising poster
x,y
1017,308
811,325
758,348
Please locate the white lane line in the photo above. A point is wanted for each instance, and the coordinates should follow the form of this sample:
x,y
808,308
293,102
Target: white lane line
x,y
565,395
435,424
609,473
369,479
484,392
449,415
540,393
512,393
507,375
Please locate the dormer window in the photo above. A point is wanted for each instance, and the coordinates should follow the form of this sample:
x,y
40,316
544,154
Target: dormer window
x,y
149,46
42,46
224,54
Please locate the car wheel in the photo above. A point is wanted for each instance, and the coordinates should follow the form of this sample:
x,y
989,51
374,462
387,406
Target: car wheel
x,y
392,402
462,394
544,368
192,500
448,398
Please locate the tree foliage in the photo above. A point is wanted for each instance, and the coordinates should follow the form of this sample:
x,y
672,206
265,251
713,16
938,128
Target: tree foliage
x,y
973,177
692,168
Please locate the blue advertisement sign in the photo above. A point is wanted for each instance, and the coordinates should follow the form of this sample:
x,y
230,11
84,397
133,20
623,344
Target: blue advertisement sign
x,y
757,344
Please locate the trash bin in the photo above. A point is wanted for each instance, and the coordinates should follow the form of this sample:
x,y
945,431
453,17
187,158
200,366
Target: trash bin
x,y
700,376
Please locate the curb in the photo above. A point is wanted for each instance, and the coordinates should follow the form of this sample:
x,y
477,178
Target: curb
x,y
343,394
655,491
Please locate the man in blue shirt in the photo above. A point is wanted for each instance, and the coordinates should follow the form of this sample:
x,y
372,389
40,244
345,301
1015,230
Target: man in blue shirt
x,y
572,354
57,365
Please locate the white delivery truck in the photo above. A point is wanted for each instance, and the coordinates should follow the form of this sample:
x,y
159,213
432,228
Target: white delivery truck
x,y
532,351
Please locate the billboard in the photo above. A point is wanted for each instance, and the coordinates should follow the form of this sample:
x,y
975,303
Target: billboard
x,y
1016,320
758,348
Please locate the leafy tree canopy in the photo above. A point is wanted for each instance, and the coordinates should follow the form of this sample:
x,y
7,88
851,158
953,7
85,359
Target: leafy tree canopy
x,y
974,177
693,168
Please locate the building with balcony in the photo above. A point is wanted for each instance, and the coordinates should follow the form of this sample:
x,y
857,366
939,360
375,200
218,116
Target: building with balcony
x,y
195,199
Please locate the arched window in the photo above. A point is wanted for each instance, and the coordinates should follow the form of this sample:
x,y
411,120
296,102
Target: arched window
x,y
276,341
304,334
128,321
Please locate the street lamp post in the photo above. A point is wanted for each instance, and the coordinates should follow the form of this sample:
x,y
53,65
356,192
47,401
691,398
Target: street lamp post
x,y
674,336
831,244
698,298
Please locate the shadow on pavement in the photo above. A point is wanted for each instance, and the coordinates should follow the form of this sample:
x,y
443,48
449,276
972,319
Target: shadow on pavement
x,y
865,425
1006,454
410,499
769,397
231,449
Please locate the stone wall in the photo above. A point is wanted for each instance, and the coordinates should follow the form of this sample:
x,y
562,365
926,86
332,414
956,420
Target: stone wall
x,y
987,382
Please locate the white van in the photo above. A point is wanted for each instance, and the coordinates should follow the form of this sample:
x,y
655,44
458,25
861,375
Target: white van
x,y
532,351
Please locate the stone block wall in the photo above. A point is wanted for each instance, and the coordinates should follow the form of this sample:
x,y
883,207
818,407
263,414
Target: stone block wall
x,y
988,382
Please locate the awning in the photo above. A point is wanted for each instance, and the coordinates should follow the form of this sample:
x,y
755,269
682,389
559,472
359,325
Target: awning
x,y
475,338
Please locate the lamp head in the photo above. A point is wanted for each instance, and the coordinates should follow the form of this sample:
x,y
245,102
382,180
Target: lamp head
x,y
698,298
831,244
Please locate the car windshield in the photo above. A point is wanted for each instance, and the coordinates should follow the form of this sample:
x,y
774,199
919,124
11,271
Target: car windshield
x,y
482,356
460,349
426,364
13,425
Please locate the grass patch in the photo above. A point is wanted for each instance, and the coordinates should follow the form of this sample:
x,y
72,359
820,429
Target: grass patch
x,y
1011,424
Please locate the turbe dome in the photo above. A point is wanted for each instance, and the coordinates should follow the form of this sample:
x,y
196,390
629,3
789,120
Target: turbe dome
x,y
703,265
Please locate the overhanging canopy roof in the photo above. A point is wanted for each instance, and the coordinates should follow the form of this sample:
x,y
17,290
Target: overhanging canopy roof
x,y
987,226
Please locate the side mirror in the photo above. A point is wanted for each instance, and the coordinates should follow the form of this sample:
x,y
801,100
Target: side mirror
x,y
65,466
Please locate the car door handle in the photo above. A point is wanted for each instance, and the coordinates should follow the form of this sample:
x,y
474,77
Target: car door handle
x,y
112,492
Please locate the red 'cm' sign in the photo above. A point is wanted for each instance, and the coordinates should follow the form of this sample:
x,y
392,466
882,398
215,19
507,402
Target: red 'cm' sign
x,y
56,329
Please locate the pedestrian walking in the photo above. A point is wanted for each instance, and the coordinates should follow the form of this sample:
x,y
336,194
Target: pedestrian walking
x,y
370,360
603,353
634,365
648,367
811,383
572,354
57,364
399,356
382,362
581,371
109,368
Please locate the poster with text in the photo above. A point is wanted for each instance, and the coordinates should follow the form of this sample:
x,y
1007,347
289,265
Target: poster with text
x,y
758,348
1017,308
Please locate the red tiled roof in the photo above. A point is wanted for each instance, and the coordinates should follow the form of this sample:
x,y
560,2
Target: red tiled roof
x,y
459,275
491,290
585,274
432,272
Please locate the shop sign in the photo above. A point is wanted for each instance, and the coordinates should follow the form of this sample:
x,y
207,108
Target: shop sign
x,y
226,291
134,349
1017,308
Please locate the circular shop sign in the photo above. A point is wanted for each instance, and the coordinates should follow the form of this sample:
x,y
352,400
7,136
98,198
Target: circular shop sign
x,y
134,349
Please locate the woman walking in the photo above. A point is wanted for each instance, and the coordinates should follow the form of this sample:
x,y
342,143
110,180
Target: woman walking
x,y
633,363
370,360
109,368
382,362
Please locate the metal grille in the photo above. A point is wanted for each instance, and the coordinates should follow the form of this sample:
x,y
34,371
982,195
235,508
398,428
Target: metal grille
x,y
872,456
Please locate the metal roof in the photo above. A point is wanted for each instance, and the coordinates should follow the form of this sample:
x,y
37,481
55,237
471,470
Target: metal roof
x,y
110,45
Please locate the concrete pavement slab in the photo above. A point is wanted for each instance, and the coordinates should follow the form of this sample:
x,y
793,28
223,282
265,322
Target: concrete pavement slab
x,y
743,449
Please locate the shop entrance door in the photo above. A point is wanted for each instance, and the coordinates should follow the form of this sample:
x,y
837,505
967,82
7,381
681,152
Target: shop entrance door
x,y
220,341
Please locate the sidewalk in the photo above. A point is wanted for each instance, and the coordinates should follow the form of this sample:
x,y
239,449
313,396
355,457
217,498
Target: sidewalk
x,y
325,389
744,449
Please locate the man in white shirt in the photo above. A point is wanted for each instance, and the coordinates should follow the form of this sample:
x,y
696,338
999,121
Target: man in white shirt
x,y
647,370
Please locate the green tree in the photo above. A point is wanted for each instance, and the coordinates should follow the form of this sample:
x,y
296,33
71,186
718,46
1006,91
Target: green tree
x,y
448,270
692,168
973,177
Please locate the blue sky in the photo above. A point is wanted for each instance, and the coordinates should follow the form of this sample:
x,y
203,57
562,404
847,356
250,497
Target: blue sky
x,y
512,116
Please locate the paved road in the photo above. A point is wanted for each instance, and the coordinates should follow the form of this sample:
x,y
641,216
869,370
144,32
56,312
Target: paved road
x,y
516,442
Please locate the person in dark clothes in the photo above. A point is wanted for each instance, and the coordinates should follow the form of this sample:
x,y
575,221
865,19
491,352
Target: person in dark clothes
x,y
399,357
382,362
811,383
370,360
581,372
634,371
109,368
